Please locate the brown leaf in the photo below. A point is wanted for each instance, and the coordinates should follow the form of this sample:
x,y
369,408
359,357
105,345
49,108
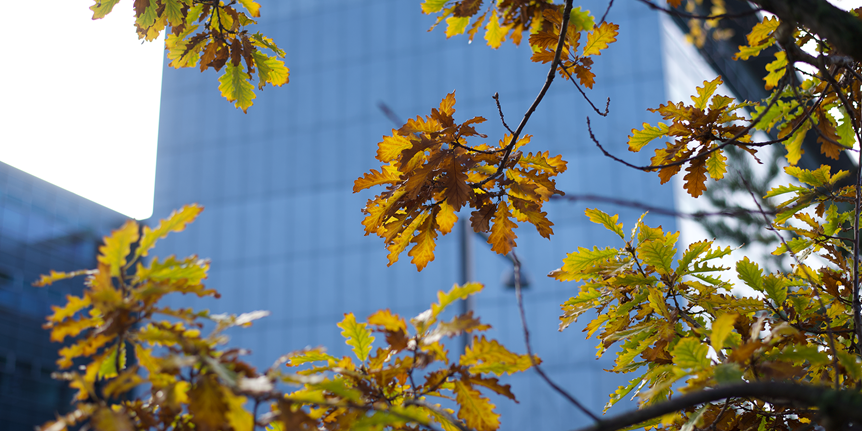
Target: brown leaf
x,y
695,180
457,191
480,219
467,8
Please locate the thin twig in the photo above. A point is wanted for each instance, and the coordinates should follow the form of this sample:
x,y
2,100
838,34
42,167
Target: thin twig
x,y
517,272
607,105
605,15
655,209
500,110
550,78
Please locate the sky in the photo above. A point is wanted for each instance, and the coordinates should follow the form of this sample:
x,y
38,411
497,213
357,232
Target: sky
x,y
82,101
81,109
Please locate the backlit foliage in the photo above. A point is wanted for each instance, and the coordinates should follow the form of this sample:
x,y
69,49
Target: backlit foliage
x,y
678,320
213,35
188,380
431,172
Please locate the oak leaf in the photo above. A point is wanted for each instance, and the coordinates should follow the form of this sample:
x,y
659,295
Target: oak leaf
x,y
502,237
600,37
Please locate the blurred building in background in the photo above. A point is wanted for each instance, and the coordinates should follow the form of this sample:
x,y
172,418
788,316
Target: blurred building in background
x,y
281,223
42,227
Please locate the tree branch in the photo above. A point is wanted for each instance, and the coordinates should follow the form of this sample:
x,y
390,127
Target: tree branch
x,y
840,28
839,406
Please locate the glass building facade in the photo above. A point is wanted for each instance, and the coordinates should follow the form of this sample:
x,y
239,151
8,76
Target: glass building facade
x,y
282,225
42,227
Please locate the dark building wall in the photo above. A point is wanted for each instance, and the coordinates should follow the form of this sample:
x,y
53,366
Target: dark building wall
x,y
42,227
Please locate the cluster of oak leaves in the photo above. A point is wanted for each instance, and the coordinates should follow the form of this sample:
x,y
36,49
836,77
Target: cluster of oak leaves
x,y
676,325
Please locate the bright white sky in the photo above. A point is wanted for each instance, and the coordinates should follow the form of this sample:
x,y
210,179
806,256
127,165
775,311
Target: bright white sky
x,y
82,101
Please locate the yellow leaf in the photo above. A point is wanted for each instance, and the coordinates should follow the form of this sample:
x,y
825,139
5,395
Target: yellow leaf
x,y
502,238
705,92
456,25
489,356
690,353
609,222
387,320
237,416
107,419
174,12
252,7
270,70
599,38
445,299
494,34
762,30
721,328
73,305
776,70
235,86
102,8
207,404
474,409
446,218
176,222
388,175
356,336
117,246
716,165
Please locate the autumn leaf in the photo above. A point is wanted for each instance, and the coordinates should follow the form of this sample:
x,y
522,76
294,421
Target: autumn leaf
x,y
705,93
235,87
599,38
356,336
432,6
640,138
489,356
270,70
608,221
695,179
251,6
176,222
102,8
445,299
690,353
494,34
721,328
502,238
474,409
117,246
455,26
423,251
207,404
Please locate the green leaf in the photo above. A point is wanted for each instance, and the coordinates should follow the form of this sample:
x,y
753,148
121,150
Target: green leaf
x,y
716,165
608,221
235,86
357,336
657,253
489,356
176,222
693,252
174,12
108,367
117,246
690,353
775,288
750,274
581,19
782,189
806,353
577,265
705,92
621,392
728,373
640,138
